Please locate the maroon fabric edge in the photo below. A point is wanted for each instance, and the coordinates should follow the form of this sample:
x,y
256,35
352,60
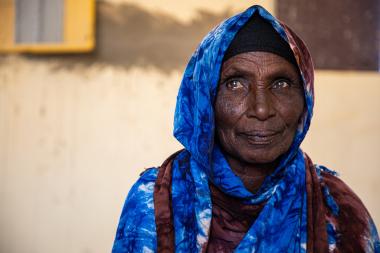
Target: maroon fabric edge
x,y
316,213
163,207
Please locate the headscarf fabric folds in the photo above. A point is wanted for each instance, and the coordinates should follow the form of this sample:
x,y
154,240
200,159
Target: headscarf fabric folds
x,y
169,209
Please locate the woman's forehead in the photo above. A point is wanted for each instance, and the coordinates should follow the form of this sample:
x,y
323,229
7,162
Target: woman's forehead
x,y
252,62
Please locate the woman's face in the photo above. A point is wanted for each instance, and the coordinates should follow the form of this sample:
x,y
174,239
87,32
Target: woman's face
x,y
258,106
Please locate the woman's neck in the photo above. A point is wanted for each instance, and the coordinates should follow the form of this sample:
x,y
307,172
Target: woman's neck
x,y
252,175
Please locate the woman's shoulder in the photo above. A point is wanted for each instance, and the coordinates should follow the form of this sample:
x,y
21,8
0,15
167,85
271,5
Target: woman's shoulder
x,y
141,193
341,192
345,198
136,231
350,219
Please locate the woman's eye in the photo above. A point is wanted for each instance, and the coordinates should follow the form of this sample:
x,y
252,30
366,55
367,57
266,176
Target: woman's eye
x,y
234,84
280,84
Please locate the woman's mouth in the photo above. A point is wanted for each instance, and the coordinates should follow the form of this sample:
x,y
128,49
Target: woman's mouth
x,y
259,138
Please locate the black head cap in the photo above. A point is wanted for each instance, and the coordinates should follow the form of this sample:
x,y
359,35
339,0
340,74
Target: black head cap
x,y
259,35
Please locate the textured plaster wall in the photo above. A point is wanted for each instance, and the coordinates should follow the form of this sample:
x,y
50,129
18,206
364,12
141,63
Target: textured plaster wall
x,y
73,139
71,145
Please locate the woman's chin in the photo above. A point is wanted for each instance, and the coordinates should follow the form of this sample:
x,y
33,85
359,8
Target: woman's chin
x,y
260,157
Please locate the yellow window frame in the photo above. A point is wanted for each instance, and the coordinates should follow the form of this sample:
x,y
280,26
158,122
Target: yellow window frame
x,y
78,30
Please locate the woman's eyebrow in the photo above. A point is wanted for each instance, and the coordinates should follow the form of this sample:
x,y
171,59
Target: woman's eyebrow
x,y
233,70
282,70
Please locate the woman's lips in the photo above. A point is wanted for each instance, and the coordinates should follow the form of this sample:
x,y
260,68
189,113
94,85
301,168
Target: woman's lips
x,y
259,137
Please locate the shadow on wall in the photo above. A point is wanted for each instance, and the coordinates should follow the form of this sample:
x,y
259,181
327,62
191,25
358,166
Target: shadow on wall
x,y
128,35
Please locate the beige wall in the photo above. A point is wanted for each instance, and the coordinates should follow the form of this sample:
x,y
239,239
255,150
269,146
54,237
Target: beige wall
x,y
185,11
72,141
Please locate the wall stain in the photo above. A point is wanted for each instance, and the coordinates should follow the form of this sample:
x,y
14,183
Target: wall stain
x,y
42,111
129,36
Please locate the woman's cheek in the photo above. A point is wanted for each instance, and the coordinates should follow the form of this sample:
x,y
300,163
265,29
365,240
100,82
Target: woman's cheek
x,y
225,109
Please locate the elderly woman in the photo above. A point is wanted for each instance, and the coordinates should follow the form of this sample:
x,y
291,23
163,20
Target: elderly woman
x,y
242,184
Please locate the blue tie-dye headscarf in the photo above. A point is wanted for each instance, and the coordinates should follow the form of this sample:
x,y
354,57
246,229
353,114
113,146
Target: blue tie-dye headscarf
x,y
283,219
282,224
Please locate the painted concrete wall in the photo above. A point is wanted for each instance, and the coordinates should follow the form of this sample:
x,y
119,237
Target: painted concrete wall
x,y
74,139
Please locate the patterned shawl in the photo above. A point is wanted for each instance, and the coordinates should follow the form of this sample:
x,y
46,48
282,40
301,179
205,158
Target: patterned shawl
x,y
304,207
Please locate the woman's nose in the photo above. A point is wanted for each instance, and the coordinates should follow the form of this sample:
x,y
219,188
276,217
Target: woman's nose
x,y
260,105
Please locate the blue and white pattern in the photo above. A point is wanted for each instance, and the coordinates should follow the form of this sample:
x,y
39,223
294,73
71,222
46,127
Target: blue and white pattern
x,y
137,230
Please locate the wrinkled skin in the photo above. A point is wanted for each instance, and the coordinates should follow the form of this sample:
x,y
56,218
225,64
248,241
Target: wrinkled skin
x,y
257,111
